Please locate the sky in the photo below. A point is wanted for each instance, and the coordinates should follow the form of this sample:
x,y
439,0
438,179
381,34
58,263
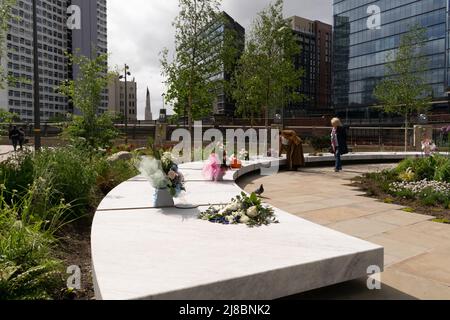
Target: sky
x,y
138,30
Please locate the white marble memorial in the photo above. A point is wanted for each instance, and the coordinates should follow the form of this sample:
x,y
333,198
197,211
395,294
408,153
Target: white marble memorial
x,y
139,252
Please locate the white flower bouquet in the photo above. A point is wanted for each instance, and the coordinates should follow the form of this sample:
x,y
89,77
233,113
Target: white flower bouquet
x,y
243,209
163,173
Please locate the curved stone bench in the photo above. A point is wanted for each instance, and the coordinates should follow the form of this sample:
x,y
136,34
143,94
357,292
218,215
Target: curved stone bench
x,y
140,252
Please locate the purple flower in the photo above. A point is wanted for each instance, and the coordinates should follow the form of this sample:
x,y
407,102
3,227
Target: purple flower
x,y
446,129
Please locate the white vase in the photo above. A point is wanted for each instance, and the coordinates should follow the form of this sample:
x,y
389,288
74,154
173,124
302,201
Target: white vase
x,y
162,198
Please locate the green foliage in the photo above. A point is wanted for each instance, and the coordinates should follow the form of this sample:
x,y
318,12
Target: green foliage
x,y
444,221
6,118
5,16
34,196
404,89
442,172
436,167
266,76
17,173
85,92
197,58
72,174
27,270
111,174
320,143
430,197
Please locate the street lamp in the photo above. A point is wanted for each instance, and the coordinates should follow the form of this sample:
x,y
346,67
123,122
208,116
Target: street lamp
x,y
126,73
284,91
37,111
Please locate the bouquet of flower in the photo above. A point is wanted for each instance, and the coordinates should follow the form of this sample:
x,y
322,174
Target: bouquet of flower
x,y
244,155
243,209
428,146
163,173
214,170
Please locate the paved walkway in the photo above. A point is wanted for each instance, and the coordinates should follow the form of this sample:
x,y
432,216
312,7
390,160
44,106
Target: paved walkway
x,y
417,251
5,152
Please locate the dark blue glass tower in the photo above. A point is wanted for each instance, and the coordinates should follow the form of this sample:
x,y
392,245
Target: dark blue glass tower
x,y
366,31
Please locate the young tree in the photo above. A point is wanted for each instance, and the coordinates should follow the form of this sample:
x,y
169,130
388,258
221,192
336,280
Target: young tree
x,y
267,76
85,93
5,16
404,89
188,76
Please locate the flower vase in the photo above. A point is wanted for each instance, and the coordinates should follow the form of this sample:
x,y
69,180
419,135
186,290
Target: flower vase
x,y
162,198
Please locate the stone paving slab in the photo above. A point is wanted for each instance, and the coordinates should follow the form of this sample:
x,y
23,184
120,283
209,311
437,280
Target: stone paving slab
x,y
400,218
417,251
362,227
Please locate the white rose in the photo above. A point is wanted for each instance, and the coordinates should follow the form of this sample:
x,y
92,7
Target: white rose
x,y
232,207
244,219
253,212
230,219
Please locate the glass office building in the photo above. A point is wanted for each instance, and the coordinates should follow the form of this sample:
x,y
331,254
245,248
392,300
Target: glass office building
x,y
366,31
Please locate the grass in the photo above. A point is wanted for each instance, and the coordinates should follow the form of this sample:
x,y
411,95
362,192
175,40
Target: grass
x,y
445,221
42,199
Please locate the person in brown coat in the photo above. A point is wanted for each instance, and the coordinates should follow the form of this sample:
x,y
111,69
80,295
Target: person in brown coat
x,y
293,146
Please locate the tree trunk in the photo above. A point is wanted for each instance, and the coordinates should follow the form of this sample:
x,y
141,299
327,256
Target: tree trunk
x,y
266,115
406,132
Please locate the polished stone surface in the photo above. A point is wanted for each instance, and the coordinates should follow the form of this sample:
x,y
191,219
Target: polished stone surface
x,y
139,252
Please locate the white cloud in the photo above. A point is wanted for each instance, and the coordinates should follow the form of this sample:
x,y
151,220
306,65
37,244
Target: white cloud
x,y
139,29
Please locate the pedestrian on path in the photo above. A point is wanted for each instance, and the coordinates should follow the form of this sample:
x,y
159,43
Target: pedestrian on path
x,y
293,146
14,136
21,138
338,142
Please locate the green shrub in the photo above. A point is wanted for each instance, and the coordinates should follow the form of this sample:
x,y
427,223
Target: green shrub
x,y
16,173
111,174
430,197
442,172
436,167
27,270
320,143
71,173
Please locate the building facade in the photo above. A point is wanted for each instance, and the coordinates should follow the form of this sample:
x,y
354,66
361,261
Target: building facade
x,y
315,40
366,32
116,98
54,39
224,104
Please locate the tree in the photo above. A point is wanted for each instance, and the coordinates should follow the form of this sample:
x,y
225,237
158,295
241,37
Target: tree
x,y
267,76
188,76
6,119
404,89
85,92
5,17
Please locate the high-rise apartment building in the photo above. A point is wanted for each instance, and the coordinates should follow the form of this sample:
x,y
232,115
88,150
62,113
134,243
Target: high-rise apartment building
x,y
116,98
315,40
54,39
224,104
366,32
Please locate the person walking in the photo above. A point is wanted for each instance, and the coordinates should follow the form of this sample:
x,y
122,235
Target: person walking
x,y
21,138
338,142
14,136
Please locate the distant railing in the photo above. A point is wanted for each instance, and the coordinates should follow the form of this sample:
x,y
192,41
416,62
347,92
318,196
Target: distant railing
x,y
375,137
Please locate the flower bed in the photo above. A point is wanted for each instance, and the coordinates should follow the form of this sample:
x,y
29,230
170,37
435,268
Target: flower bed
x,y
422,184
